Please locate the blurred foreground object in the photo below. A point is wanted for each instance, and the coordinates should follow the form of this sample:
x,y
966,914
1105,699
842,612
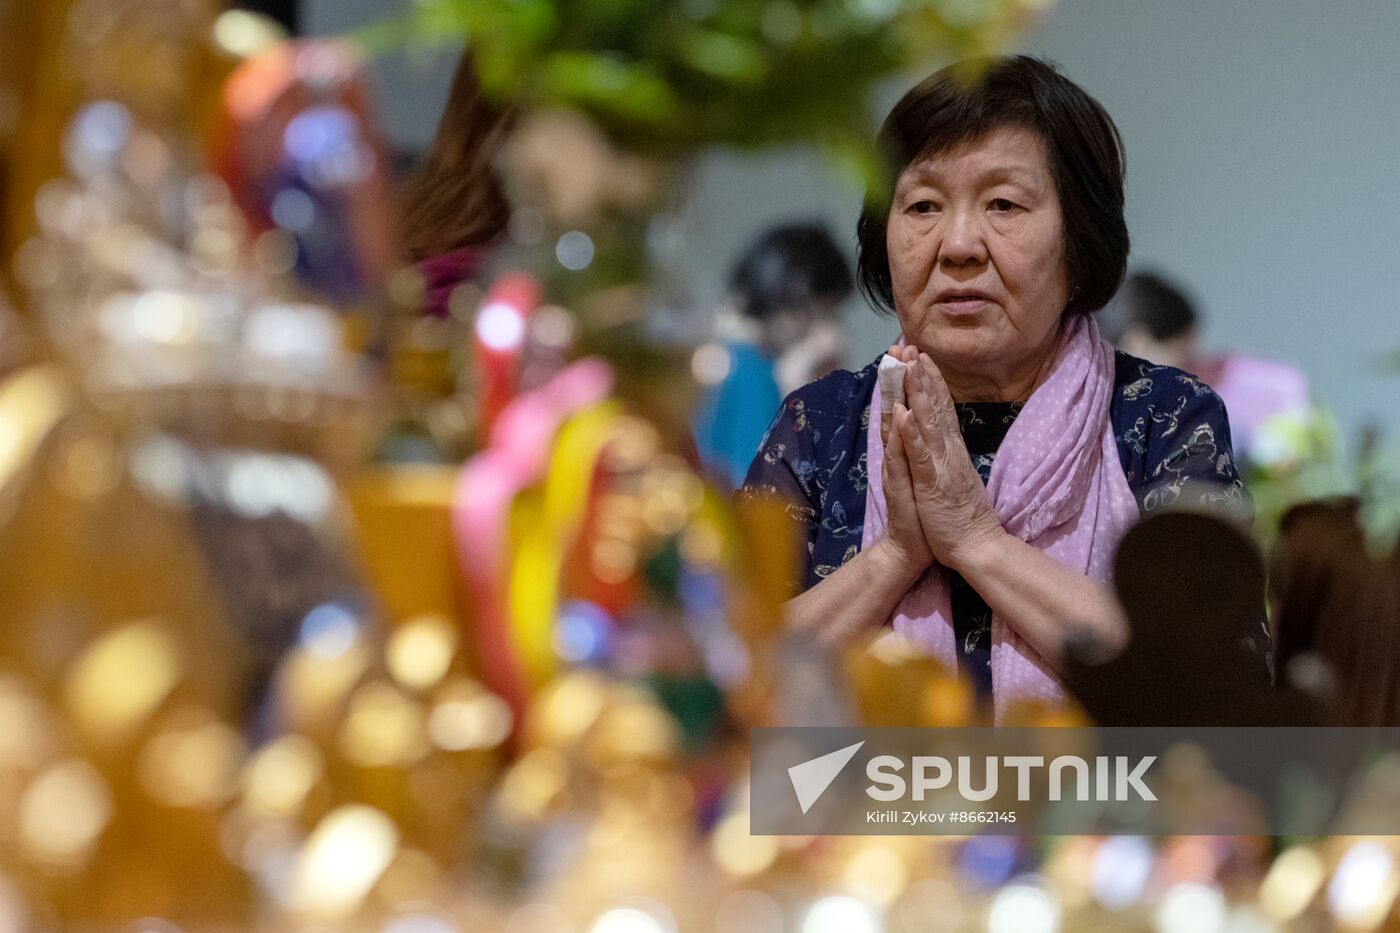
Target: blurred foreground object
x,y
1192,587
170,502
157,58
1336,599
307,168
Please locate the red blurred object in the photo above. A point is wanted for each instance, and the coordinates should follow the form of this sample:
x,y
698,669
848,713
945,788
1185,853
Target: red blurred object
x,y
582,581
499,342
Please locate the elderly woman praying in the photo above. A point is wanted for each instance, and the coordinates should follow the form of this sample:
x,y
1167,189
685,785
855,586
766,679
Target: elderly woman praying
x,y
971,486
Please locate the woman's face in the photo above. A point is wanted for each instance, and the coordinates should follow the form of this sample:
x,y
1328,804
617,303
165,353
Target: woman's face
x,y
977,260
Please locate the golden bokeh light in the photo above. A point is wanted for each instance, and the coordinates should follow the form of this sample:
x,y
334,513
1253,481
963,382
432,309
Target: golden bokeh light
x,y
342,859
532,784
315,686
568,707
1292,882
121,680
876,873
26,727
383,728
479,721
278,778
63,813
737,851
635,728
192,764
420,651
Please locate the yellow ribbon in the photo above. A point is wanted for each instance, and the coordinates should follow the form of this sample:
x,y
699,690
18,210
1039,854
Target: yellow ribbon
x,y
547,521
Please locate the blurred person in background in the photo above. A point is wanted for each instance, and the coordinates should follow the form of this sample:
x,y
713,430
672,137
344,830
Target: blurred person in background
x,y
979,513
1153,318
1336,613
781,330
455,208
455,218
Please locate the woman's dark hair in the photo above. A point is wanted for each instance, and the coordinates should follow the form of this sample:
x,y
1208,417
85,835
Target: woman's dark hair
x,y
963,103
789,268
456,200
1339,601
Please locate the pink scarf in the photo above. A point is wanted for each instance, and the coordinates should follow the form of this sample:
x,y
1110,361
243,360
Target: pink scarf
x,y
1056,484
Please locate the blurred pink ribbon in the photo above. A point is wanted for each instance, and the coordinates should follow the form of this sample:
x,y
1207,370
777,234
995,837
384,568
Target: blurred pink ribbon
x,y
521,442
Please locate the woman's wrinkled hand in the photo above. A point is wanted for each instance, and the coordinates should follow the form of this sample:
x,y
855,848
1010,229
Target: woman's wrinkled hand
x,y
953,510
904,536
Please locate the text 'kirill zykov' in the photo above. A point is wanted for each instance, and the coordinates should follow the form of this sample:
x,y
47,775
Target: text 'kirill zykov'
x,y
1107,779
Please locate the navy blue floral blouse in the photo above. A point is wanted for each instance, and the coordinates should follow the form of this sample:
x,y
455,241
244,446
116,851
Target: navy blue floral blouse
x,y
1173,439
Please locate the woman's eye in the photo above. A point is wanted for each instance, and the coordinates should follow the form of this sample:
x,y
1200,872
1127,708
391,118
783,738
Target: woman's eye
x,y
1001,204
923,207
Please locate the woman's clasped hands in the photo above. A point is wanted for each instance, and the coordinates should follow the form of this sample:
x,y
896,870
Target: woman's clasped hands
x,y
937,506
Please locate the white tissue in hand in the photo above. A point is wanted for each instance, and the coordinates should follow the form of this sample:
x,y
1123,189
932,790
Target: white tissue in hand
x,y
891,375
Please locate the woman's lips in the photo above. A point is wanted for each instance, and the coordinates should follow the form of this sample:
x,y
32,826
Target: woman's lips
x,y
962,305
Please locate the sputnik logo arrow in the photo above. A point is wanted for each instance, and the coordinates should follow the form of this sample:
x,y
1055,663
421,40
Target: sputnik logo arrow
x,y
811,778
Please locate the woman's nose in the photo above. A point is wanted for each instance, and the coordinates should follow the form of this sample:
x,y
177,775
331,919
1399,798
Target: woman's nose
x,y
964,242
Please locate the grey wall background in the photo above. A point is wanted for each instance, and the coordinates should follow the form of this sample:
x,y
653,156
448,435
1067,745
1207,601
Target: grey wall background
x,y
1263,143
